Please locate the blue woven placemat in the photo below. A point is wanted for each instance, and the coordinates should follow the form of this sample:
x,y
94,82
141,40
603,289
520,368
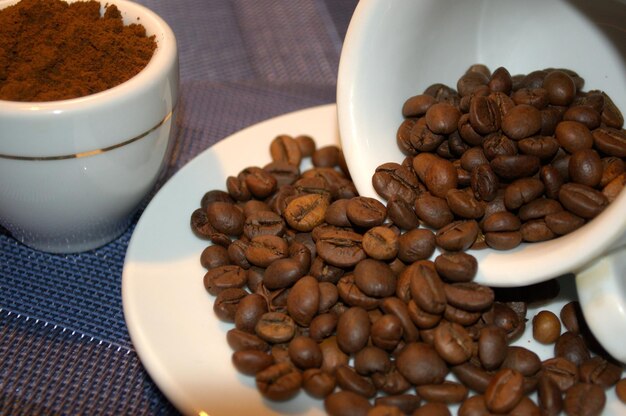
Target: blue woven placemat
x,y
64,346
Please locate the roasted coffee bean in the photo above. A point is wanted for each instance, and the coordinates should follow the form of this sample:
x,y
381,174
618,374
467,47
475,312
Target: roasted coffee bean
x,y
453,343
250,362
306,212
550,117
317,383
341,248
391,382
263,223
552,180
259,182
393,305
440,177
420,364
366,212
422,139
600,371
249,310
536,230
500,81
427,289
346,403
370,360
237,253
571,316
514,167
522,360
283,172
573,136
585,167
263,250
329,295
526,407
417,105
521,121
353,330
464,204
285,148
303,300
374,278
533,96
282,273
539,208
544,147
504,391
433,211
332,355
474,406
381,243
484,182
446,392
561,371
382,410
305,353
472,81
610,141
549,397
467,131
484,115
442,118
612,190
473,157
214,256
501,221
237,189
498,144
240,340
522,191
224,277
582,200
279,382
351,295
349,380
423,319
612,167
226,218
546,327
584,399
583,114
387,332
560,87
407,403
275,327
563,222
469,296
402,213
394,180
456,266
473,376
458,235
492,347
460,316
226,303
416,244
322,326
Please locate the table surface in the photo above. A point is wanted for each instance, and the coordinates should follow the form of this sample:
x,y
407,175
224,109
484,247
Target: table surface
x,y
64,345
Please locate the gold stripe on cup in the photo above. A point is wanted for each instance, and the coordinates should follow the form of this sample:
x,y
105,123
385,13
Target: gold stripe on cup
x,y
89,152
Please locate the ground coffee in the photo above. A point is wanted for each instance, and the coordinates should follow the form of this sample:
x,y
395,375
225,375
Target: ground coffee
x,y
51,50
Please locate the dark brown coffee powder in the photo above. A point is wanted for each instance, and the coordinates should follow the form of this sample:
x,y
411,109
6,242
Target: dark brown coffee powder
x,y
51,50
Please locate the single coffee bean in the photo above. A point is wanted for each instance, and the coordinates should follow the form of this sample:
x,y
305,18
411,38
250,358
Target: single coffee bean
x,y
265,249
275,327
420,364
329,295
561,371
474,157
522,360
349,380
351,295
474,406
249,311
563,222
422,139
539,208
441,176
514,167
263,223
484,182
371,360
282,273
585,167
432,210
612,190
552,180
573,136
469,296
423,319
571,316
327,156
600,371
610,141
285,148
583,114
227,302
544,147
612,167
340,248
303,300
353,330
214,256
427,289
366,212
346,403
464,204
417,105
393,305
224,277
260,183
453,343
582,200
560,87
458,235
456,266
442,118
536,230
391,382
279,382
521,121
550,117
306,212
375,278
283,172
460,316
522,191
584,399
549,397
484,115
536,97
387,332
611,115
472,375
492,347
240,340
381,243
402,213
332,355
305,353
322,326
526,407
546,327
504,391
226,218
416,244
317,383
407,403
447,392
394,180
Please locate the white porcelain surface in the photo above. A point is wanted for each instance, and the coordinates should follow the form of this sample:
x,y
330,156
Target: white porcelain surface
x,y
71,204
395,49
169,315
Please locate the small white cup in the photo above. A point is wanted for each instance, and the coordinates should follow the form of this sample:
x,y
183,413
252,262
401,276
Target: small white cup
x,y
74,171
395,49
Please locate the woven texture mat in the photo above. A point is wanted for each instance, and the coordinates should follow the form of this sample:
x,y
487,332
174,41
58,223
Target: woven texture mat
x,y
64,346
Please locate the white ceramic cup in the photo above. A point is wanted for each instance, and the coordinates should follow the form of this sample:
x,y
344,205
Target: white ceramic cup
x,y
73,172
396,48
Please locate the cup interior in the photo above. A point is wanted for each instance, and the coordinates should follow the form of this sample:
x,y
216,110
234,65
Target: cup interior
x,y
394,50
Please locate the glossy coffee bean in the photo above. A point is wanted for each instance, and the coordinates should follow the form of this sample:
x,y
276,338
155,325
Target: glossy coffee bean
x,y
585,167
279,382
427,289
381,243
306,212
598,370
484,115
573,136
433,211
394,180
458,235
447,392
224,277
416,244
610,141
250,362
492,347
469,296
456,266
366,212
387,332
350,380
504,391
407,403
346,403
560,87
275,327
442,118
516,166
549,397
582,200
303,300
561,371
353,330
420,364
214,256
453,343
584,399
546,327
227,303
317,383
521,121
249,310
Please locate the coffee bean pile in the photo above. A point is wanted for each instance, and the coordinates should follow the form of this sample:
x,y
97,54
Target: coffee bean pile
x,y
336,294
504,159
